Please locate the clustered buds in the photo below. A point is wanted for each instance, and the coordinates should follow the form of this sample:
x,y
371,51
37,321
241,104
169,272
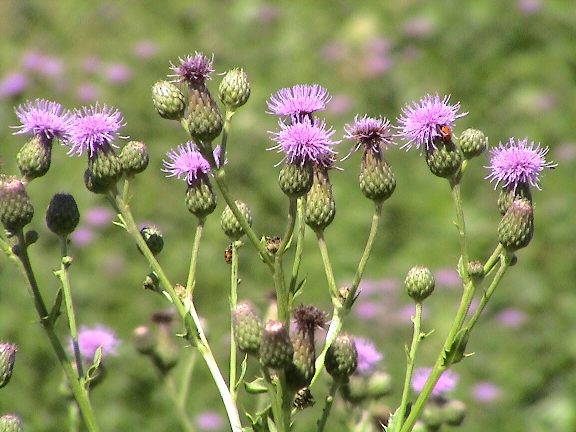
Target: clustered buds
x,y
230,225
419,283
62,216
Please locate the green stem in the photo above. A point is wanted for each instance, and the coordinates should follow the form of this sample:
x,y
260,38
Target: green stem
x,y
64,277
283,295
494,258
79,392
233,303
226,131
73,417
327,266
187,378
461,226
180,408
188,314
299,245
416,337
220,178
340,312
327,406
191,282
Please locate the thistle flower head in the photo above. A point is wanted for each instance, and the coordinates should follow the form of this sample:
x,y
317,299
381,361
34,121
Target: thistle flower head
x,y
423,121
43,118
193,69
516,162
92,338
94,128
298,101
308,318
447,382
186,162
369,132
305,142
368,356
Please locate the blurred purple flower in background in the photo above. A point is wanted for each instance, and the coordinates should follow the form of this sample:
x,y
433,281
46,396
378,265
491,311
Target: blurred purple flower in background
x,y
145,49
118,73
43,118
447,382
91,64
447,277
13,85
298,101
511,317
518,162
367,310
420,121
82,236
486,392
209,421
340,104
98,216
45,65
419,27
92,338
368,356
94,128
529,7
565,151
87,92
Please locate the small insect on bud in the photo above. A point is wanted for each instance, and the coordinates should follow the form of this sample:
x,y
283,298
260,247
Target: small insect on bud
x,y
153,238
62,216
443,158
234,90
303,399
419,283
168,100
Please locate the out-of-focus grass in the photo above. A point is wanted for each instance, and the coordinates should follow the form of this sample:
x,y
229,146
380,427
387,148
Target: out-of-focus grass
x,y
511,67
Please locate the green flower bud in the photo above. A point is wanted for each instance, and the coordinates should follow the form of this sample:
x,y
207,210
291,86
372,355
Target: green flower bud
x,y
230,224
420,426
320,206
419,283
276,349
296,180
200,198
509,194
168,100
247,328
134,157
204,118
153,238
444,159
234,90
11,423
355,390
104,171
144,340
516,227
475,269
454,412
62,216
166,352
377,181
16,210
7,358
341,358
472,143
379,384
432,416
34,157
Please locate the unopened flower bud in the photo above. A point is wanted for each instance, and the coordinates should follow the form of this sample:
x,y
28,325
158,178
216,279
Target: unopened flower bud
x,y
379,384
144,340
341,358
234,90
475,269
7,358
230,224
443,158
320,205
516,227
276,349
200,198
204,118
432,416
34,157
168,100
104,171
472,143
295,180
454,412
247,328
272,244
509,193
62,216
16,210
419,283
166,352
134,157
153,238
377,181
355,390
11,423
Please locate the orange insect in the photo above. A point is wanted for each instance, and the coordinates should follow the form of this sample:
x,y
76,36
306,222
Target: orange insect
x,y
445,132
228,255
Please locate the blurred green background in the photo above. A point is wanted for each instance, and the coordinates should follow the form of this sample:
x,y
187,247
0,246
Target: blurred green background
x,y
511,64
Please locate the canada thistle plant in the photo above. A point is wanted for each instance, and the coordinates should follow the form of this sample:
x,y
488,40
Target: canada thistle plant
x,y
292,349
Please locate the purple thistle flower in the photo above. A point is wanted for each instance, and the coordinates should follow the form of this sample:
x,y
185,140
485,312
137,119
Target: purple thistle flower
x,y
518,162
193,69
43,118
13,85
305,142
420,122
486,392
186,162
369,132
298,101
445,384
94,128
368,356
92,338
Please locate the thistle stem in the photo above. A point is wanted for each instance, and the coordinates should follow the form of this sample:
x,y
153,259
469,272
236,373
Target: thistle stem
x,y
187,378
327,406
191,282
299,245
180,408
233,303
461,226
226,131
